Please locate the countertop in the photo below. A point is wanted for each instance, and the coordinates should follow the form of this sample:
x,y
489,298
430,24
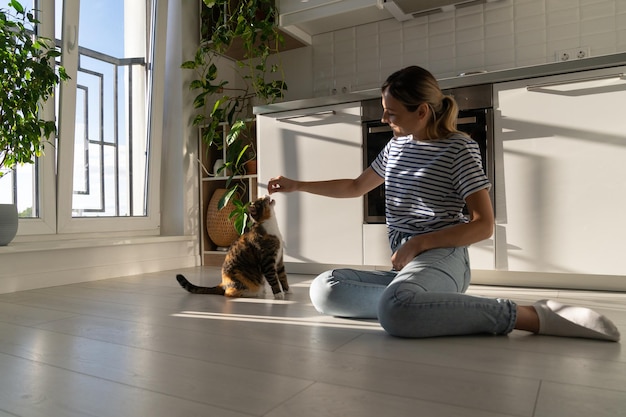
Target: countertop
x,y
604,61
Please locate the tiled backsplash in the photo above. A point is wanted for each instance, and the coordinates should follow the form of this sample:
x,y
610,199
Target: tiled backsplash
x,y
493,36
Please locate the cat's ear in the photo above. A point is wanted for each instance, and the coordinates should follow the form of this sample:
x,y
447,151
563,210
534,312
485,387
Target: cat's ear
x,y
252,210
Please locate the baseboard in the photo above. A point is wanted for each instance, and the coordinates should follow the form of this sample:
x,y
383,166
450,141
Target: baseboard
x,y
26,267
501,278
550,280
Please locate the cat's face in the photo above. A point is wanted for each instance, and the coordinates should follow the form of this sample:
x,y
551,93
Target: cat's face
x,y
261,209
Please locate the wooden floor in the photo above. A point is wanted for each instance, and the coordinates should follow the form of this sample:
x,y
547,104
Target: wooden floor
x,y
141,346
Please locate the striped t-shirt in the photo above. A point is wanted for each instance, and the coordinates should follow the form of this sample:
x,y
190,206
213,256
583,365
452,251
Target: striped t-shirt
x,y
426,182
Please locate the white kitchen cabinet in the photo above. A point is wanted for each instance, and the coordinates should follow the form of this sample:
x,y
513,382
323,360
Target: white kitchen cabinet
x,y
482,254
315,144
561,173
376,250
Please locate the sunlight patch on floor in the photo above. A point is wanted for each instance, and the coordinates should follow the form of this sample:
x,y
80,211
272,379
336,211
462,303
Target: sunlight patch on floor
x,y
260,301
302,284
315,321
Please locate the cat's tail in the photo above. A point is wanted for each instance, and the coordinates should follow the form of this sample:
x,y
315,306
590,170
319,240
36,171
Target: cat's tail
x,y
194,289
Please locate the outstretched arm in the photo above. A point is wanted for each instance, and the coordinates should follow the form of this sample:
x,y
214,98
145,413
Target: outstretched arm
x,y
343,188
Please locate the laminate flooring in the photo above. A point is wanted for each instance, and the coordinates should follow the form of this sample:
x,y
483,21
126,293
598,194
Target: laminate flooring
x,y
141,346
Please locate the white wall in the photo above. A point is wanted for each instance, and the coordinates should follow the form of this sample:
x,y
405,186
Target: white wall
x,y
501,35
298,72
179,191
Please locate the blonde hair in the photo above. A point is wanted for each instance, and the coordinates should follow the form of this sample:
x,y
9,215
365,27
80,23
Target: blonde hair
x,y
413,86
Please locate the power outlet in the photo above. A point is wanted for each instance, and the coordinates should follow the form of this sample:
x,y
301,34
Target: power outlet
x,y
573,54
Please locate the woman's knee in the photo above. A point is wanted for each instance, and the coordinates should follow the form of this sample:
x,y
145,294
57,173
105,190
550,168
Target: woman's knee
x,y
342,293
392,313
403,310
320,291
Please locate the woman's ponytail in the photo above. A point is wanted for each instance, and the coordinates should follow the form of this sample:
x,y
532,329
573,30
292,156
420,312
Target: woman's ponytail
x,y
446,122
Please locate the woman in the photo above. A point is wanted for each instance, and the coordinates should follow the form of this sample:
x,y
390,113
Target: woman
x,y
430,171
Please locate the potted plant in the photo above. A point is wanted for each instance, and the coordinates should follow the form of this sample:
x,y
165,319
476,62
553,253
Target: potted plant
x,y
27,80
248,26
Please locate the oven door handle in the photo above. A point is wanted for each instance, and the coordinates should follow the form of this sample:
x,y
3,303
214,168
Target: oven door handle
x,y
465,120
383,129
379,129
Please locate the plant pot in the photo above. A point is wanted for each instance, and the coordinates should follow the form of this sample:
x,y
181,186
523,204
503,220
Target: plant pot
x,y
8,223
220,228
250,167
216,168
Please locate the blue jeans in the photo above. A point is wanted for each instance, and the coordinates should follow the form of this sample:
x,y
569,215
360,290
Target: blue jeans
x,y
425,299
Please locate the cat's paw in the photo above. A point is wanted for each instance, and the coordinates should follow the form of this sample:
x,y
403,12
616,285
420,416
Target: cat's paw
x,y
279,296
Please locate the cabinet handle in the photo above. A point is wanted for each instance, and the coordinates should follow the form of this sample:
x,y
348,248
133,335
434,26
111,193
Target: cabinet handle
x,y
319,113
578,80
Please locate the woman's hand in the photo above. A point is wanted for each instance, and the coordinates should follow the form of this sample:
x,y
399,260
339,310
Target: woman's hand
x,y
405,253
281,184
479,227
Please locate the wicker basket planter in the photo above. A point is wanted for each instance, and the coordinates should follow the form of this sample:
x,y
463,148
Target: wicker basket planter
x,y
220,228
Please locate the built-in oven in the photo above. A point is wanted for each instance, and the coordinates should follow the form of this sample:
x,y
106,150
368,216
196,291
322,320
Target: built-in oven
x,y
475,118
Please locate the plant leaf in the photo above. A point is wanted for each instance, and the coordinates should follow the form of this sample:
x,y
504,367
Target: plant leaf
x,y
241,221
226,198
17,6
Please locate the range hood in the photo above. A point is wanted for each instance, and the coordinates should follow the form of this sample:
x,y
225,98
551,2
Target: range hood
x,y
409,9
304,19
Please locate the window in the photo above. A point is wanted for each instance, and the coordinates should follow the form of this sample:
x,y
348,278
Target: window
x,y
97,177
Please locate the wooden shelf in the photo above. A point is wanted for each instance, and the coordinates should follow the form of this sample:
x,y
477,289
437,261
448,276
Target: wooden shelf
x,y
236,177
209,183
213,258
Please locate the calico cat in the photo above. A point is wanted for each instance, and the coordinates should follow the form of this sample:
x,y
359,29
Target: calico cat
x,y
255,257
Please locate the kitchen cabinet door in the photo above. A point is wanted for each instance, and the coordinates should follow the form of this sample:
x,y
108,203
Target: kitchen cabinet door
x,y
315,144
376,250
561,173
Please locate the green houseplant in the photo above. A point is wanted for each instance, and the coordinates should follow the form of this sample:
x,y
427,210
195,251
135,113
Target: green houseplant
x,y
248,26
27,80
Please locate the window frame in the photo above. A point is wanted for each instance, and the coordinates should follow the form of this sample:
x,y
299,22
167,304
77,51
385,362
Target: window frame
x,y
55,190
